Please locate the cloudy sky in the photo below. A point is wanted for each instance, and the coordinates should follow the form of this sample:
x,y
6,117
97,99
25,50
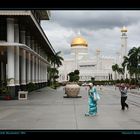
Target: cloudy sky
x,y
100,28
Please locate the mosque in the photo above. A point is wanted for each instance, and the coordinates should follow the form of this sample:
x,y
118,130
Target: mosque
x,y
24,53
98,67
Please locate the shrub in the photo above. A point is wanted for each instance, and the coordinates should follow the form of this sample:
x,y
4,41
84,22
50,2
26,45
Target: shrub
x,y
31,87
74,76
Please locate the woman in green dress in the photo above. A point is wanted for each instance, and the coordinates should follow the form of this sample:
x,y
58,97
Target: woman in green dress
x,y
91,102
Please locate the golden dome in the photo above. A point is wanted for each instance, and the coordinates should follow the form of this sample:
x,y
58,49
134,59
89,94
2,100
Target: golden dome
x,y
124,29
79,41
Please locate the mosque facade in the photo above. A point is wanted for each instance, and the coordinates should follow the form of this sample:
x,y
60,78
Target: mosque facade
x,y
98,67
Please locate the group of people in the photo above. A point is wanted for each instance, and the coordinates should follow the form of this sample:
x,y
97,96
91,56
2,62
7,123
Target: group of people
x,y
92,103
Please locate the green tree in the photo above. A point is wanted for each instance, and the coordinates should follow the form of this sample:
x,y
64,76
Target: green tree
x,y
115,68
53,72
56,61
131,62
92,79
120,70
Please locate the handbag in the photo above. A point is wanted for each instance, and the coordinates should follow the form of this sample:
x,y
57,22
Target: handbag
x,y
96,96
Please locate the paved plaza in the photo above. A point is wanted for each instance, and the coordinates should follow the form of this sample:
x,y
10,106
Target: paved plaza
x,y
47,109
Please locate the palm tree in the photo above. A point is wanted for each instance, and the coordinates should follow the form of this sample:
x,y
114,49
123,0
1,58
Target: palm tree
x,y
115,68
56,60
53,73
132,61
120,71
126,64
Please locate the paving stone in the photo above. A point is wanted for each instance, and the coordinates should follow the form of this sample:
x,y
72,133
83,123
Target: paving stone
x,y
48,109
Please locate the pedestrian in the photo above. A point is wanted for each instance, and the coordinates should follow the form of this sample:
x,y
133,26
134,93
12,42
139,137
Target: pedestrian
x,y
92,104
123,89
101,87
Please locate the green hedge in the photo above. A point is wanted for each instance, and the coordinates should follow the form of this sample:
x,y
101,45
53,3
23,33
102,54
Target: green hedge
x,y
31,87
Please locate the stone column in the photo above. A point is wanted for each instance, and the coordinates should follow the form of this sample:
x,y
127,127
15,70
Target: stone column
x,y
46,73
17,54
36,70
28,61
10,57
36,66
40,52
2,68
39,67
33,68
41,72
45,69
23,62
44,77
33,63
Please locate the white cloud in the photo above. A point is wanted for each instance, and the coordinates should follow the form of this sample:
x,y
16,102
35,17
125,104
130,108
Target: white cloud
x,y
101,29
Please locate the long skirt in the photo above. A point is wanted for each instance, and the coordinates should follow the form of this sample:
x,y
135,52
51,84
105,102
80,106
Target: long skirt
x,y
92,106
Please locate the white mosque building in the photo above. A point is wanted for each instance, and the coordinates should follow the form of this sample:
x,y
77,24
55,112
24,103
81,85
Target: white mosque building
x,y
98,67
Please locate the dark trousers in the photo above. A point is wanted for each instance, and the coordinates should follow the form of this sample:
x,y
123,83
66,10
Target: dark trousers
x,y
123,104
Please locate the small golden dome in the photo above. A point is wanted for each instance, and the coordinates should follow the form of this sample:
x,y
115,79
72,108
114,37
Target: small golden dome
x,y
79,41
124,29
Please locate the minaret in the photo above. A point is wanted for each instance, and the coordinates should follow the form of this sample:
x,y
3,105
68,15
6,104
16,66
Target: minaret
x,y
97,60
123,43
124,47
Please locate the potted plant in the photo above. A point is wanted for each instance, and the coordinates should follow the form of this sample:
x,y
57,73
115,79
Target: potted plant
x,y
72,89
5,93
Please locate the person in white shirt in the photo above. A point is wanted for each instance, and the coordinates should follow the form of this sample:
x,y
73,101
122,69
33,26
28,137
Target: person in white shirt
x,y
123,90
